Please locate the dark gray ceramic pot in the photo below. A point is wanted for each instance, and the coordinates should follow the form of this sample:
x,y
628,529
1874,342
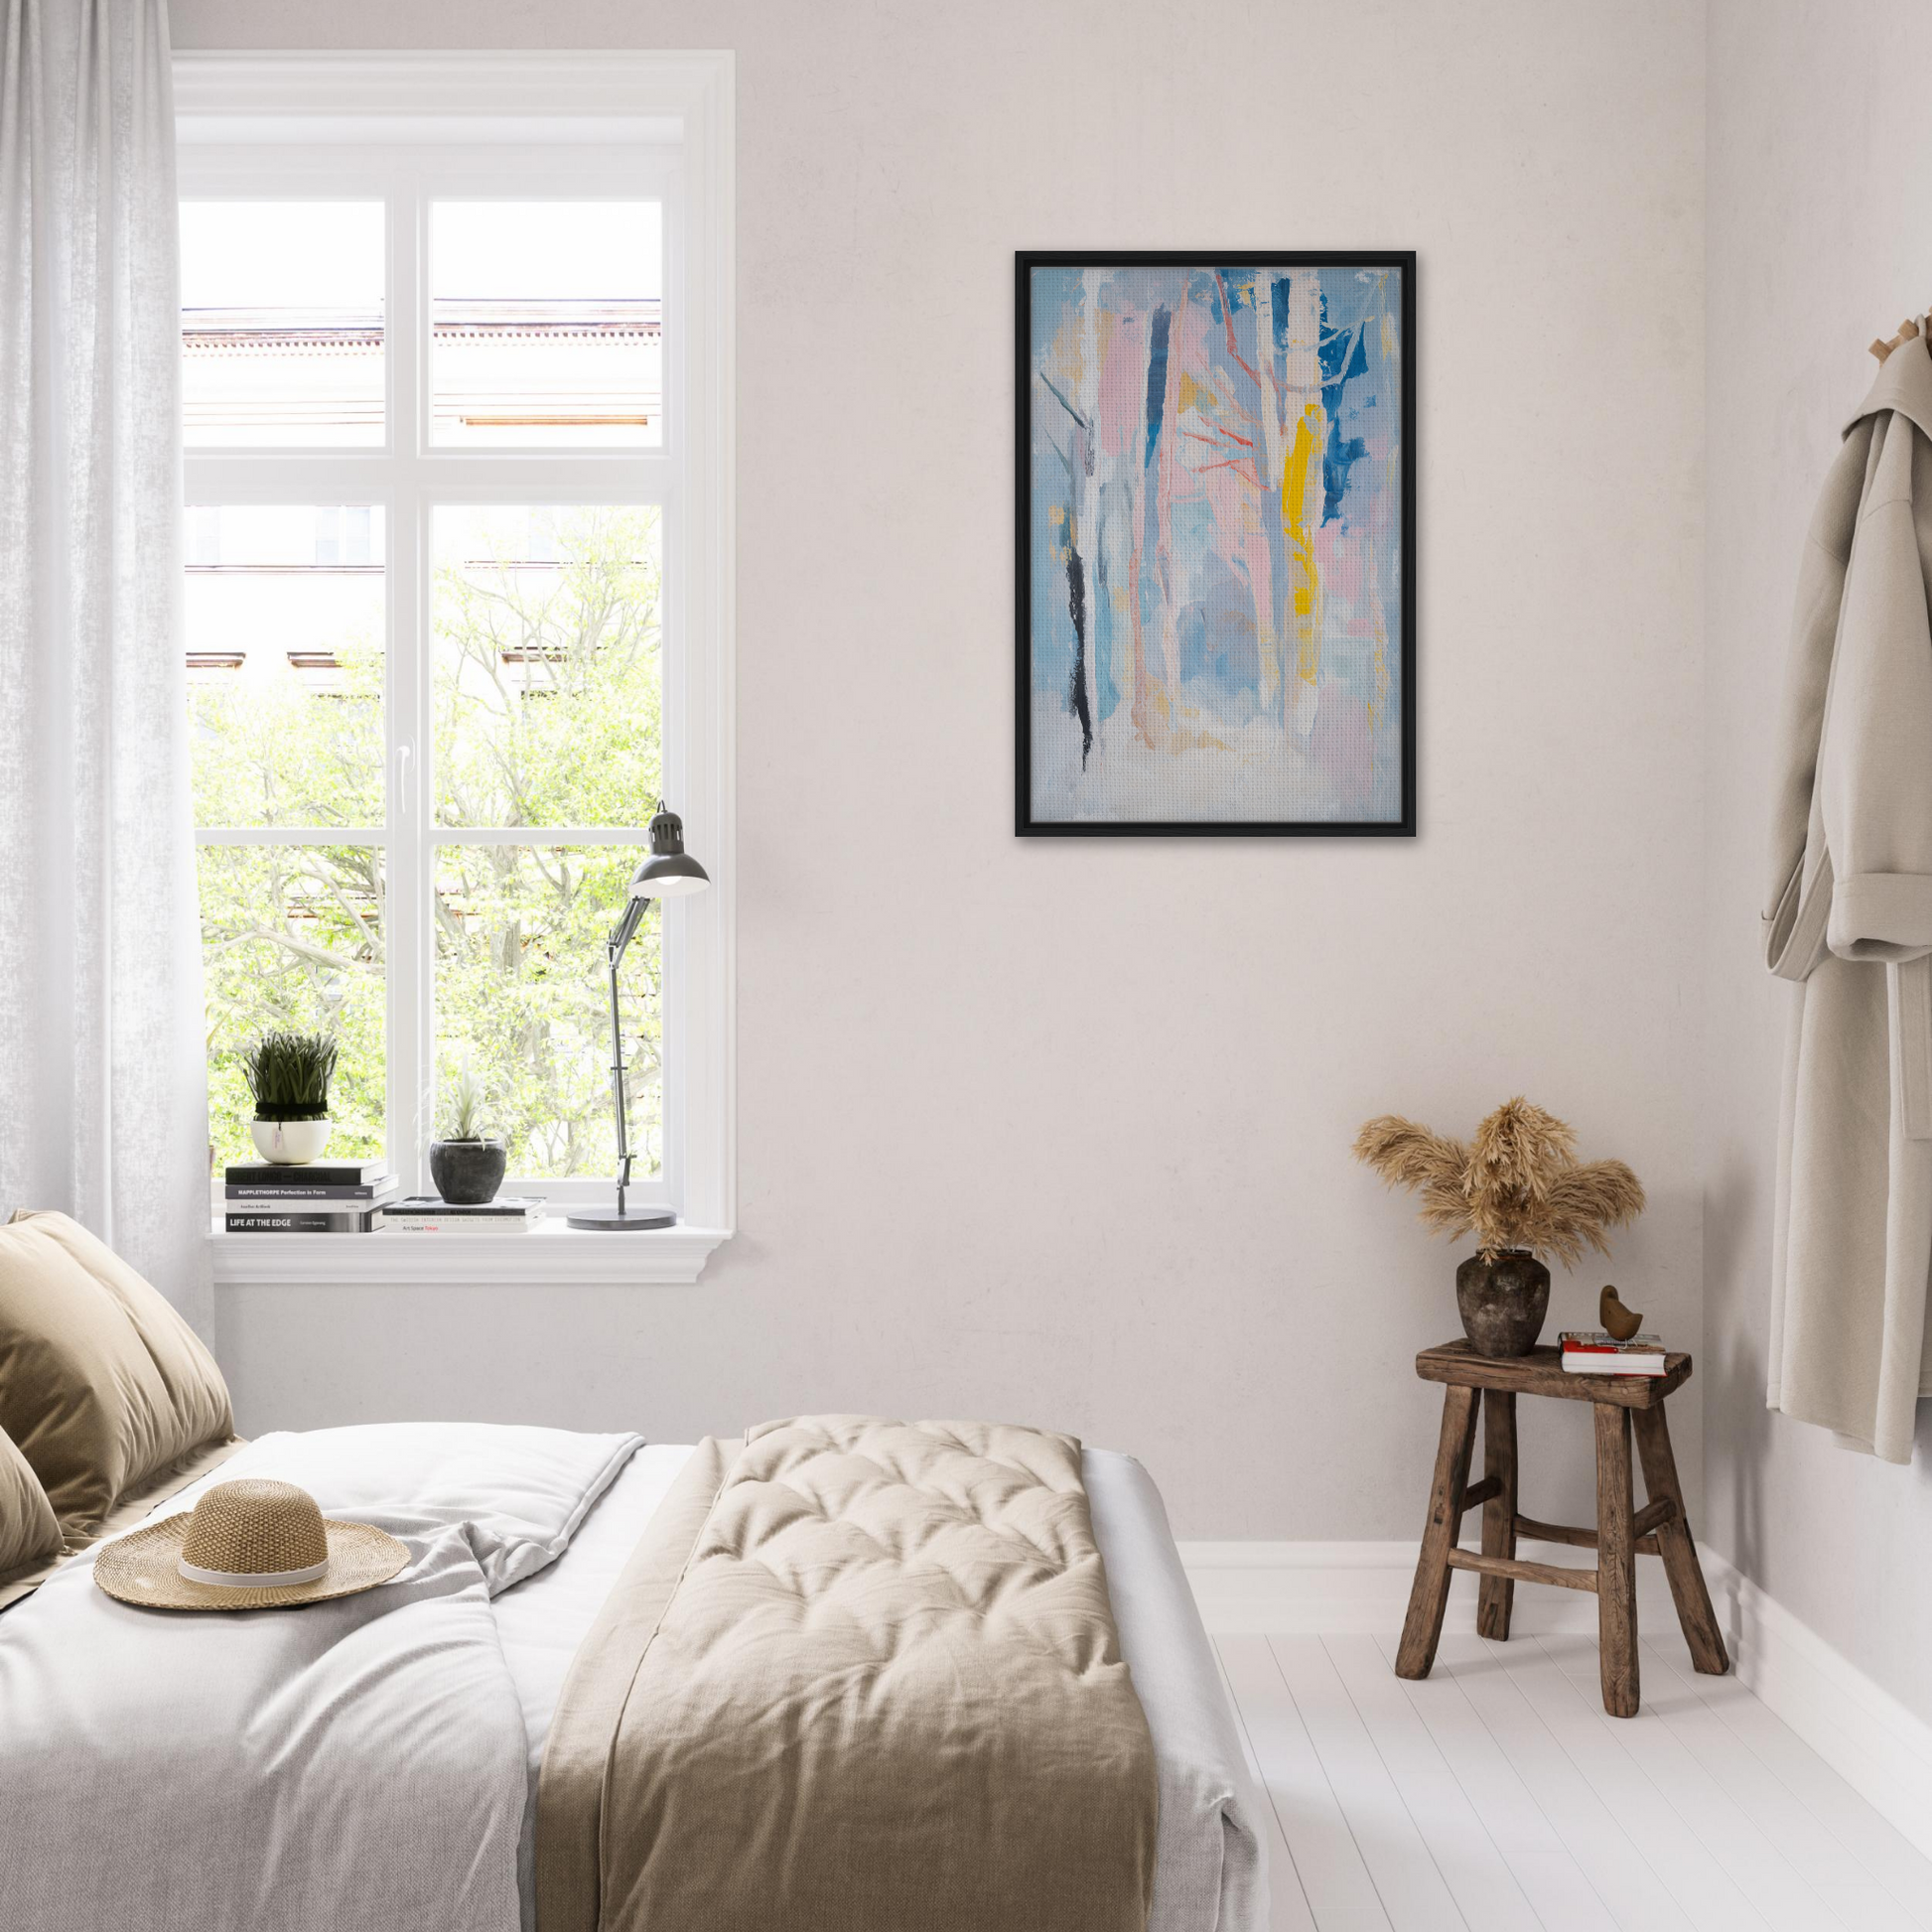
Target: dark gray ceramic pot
x,y
468,1174
1503,1301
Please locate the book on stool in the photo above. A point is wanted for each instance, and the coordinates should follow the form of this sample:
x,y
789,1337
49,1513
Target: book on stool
x,y
1595,1351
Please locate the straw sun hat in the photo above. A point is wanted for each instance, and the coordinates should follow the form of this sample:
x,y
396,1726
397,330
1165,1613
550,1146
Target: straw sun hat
x,y
249,1544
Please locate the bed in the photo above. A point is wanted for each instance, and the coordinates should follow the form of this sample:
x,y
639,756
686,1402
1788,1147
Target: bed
x,y
838,1674
510,1579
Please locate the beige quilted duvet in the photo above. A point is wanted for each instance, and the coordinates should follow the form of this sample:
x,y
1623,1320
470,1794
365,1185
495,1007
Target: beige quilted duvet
x,y
861,1676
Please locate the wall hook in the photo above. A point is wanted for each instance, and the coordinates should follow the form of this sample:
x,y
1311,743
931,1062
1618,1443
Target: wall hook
x,y
1907,332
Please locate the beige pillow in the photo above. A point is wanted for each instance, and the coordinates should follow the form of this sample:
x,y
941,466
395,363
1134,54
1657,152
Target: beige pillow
x,y
101,1383
29,1533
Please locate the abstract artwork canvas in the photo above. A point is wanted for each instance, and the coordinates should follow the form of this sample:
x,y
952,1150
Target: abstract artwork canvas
x,y
1216,544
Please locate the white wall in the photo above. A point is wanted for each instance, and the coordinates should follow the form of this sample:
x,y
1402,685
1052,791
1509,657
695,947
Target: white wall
x,y
1058,1132
1820,238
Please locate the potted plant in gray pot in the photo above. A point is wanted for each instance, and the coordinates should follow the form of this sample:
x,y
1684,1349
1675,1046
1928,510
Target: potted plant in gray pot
x,y
289,1074
1520,1189
468,1163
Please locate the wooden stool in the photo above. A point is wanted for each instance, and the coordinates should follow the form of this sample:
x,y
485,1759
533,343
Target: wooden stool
x,y
1621,1535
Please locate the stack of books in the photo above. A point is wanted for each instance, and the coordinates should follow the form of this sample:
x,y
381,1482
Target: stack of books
x,y
425,1214
319,1198
1594,1351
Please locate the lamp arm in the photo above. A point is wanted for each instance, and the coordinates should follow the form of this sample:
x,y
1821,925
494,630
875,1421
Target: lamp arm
x,y
614,950
625,928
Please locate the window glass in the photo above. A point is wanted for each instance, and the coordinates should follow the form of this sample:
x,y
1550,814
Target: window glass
x,y
522,1000
282,323
284,627
453,689
547,676
546,323
292,938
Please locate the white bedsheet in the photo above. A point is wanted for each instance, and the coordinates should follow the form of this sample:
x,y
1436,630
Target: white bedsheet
x,y
351,1766
1211,1874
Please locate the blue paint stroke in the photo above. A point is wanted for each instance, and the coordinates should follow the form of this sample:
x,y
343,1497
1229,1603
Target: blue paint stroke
x,y
1157,379
1342,352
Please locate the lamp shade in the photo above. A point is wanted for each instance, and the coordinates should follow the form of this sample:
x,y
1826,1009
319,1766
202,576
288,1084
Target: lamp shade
x,y
670,871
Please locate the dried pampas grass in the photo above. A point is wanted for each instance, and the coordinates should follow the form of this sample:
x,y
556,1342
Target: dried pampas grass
x,y
1517,1184
1429,1164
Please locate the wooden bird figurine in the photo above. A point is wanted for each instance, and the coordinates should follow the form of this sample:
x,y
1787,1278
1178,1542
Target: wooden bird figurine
x,y
1616,1317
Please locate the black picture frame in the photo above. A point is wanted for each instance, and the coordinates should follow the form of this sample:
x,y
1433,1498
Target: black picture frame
x,y
1026,261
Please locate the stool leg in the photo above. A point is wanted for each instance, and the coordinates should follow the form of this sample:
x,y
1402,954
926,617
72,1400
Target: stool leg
x,y
1616,1562
1497,1596
1423,1628
1677,1546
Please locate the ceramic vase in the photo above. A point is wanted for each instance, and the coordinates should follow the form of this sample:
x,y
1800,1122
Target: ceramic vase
x,y
468,1174
1503,1300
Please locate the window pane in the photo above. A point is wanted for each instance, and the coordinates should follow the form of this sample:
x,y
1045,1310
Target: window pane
x,y
547,326
548,687
522,1000
292,937
285,629
281,324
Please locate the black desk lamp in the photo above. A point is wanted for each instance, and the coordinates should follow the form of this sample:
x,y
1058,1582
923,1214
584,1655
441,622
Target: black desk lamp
x,y
669,873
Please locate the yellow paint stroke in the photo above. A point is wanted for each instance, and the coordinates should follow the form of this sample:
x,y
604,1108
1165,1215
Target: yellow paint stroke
x,y
1193,393
1304,577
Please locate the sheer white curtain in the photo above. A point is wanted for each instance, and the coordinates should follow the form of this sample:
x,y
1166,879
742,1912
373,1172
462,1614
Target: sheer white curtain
x,y
102,1070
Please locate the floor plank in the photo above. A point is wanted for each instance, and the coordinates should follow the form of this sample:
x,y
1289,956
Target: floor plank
x,y
1886,1854
1496,1795
1617,1865
1405,1878
1288,1903
1798,1832
1754,1862
1694,1878
1551,1881
1240,1722
1478,1876
1333,1878
1868,1908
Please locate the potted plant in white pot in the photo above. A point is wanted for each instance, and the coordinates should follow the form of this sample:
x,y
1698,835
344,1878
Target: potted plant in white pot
x,y
468,1163
289,1074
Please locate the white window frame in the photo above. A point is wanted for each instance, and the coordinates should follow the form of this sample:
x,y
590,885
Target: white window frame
x,y
404,128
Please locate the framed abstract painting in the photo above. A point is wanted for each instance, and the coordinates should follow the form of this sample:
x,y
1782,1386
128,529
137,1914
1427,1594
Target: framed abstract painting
x,y
1216,568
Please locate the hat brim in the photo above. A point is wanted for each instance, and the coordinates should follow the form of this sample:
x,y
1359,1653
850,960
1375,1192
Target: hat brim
x,y
143,1568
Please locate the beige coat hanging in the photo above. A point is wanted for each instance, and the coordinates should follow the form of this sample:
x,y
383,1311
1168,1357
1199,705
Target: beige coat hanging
x,y
1851,919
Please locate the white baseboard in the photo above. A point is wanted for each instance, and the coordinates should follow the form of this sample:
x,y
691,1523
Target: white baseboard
x,y
1883,1749
1879,1748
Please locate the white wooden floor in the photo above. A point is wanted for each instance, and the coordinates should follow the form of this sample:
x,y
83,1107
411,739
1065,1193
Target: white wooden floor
x,y
1497,1796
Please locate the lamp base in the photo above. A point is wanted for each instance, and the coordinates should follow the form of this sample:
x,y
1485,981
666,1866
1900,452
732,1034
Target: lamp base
x,y
612,1220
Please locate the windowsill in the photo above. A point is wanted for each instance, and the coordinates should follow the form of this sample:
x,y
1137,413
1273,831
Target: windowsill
x,y
550,1253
